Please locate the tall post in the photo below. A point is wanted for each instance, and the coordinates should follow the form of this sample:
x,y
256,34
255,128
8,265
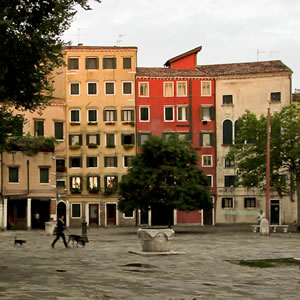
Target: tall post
x,y
268,164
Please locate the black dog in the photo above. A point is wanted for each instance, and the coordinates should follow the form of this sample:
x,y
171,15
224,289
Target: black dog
x,y
76,238
20,242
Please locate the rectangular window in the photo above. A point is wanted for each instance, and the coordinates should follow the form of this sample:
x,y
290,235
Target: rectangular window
x,y
93,139
75,139
127,139
207,139
127,115
110,115
75,115
44,175
75,162
60,183
38,128
92,115
59,130
109,88
227,99
92,162
126,62
184,135
110,140
229,163
76,210
230,180
127,88
92,88
205,88
182,113
129,214
75,183
74,89
142,138
166,135
60,165
93,182
168,89
111,182
144,114
210,180
13,176
207,161
227,202
109,63
169,113
127,161
276,97
144,89
207,113
92,63
111,162
181,89
73,63
250,202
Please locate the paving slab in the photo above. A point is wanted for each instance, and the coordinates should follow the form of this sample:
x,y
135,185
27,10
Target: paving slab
x,y
105,270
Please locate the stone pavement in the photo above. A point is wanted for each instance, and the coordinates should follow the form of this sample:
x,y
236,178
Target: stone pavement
x,y
105,270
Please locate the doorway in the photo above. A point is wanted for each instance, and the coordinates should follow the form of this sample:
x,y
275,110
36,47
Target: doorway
x,y
40,213
94,214
275,212
61,209
111,212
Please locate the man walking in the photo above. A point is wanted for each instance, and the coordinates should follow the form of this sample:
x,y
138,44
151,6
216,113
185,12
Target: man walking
x,y
60,227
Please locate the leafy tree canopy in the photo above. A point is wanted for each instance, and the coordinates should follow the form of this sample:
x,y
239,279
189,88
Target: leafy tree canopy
x,y
249,151
165,173
31,48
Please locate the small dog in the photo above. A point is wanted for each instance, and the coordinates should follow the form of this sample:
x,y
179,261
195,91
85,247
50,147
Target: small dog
x,y
76,238
19,242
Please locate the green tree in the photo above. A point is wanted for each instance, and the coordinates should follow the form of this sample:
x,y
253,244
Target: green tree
x,y
31,48
165,174
249,151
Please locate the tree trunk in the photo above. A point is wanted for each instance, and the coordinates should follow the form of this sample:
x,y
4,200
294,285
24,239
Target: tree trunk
x,y
298,201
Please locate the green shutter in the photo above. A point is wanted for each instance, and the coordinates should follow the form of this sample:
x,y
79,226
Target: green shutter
x,y
98,138
80,139
212,113
115,115
122,139
201,113
201,139
212,139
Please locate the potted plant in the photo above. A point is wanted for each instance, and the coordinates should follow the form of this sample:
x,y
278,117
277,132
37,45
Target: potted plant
x,y
92,145
75,190
94,189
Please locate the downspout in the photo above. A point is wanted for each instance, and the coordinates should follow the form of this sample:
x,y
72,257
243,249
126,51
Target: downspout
x,y
27,177
216,158
191,110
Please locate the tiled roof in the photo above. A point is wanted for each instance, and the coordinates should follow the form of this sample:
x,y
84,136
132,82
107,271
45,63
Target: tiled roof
x,y
193,51
166,72
273,66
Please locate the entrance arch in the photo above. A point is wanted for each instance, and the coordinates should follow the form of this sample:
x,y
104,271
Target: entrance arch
x,y
61,209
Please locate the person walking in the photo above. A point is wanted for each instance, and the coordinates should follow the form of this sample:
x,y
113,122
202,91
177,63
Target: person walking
x,y
60,227
260,216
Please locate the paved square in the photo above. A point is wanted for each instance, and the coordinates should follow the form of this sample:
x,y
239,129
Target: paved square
x,y
105,269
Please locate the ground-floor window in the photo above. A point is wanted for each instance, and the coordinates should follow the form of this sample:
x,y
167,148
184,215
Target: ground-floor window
x,y
76,210
227,202
250,202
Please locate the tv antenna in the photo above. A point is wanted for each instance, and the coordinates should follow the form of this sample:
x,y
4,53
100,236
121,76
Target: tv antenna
x,y
258,52
118,42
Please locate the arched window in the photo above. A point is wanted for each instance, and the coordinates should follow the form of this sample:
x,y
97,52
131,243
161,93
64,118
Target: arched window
x,y
236,130
227,132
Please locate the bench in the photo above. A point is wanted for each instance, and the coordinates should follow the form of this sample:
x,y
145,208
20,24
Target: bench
x,y
285,228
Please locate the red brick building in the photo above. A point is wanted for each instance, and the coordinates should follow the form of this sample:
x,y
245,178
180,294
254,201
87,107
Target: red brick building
x,y
179,98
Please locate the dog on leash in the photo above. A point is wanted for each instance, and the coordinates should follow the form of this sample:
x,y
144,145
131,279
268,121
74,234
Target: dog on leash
x,y
76,238
19,242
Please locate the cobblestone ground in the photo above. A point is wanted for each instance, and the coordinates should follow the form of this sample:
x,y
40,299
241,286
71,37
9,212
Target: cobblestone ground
x,y
105,270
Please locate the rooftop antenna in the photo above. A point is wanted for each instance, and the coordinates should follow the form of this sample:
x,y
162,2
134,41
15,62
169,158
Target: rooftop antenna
x,y
119,40
78,36
258,52
272,52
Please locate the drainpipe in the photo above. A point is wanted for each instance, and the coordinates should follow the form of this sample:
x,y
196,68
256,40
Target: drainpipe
x,y
190,110
27,177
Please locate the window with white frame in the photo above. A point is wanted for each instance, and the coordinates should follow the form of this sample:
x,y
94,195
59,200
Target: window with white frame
x,y
184,135
75,162
228,163
59,130
182,113
76,210
74,88
127,87
230,180
92,63
110,139
169,113
207,161
75,139
92,162
144,89
207,139
93,182
75,183
205,88
127,161
144,114
92,115
39,128
128,214
109,88
110,115
181,89
127,115
168,89
142,138
227,202
92,88
13,174
210,180
227,100
73,63
207,113
276,97
111,182
110,161
75,115
250,202
93,139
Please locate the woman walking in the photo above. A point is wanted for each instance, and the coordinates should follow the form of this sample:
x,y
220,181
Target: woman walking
x,y
60,227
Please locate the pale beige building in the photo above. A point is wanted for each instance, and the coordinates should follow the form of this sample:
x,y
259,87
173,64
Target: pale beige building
x,y
28,182
99,89
241,87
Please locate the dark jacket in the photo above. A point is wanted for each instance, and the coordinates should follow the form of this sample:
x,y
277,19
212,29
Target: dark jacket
x,y
60,227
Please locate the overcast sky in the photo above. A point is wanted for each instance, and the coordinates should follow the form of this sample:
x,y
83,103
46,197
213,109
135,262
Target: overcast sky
x,y
228,30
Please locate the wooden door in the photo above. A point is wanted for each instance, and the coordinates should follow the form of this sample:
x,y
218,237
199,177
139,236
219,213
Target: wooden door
x,y
94,214
111,214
